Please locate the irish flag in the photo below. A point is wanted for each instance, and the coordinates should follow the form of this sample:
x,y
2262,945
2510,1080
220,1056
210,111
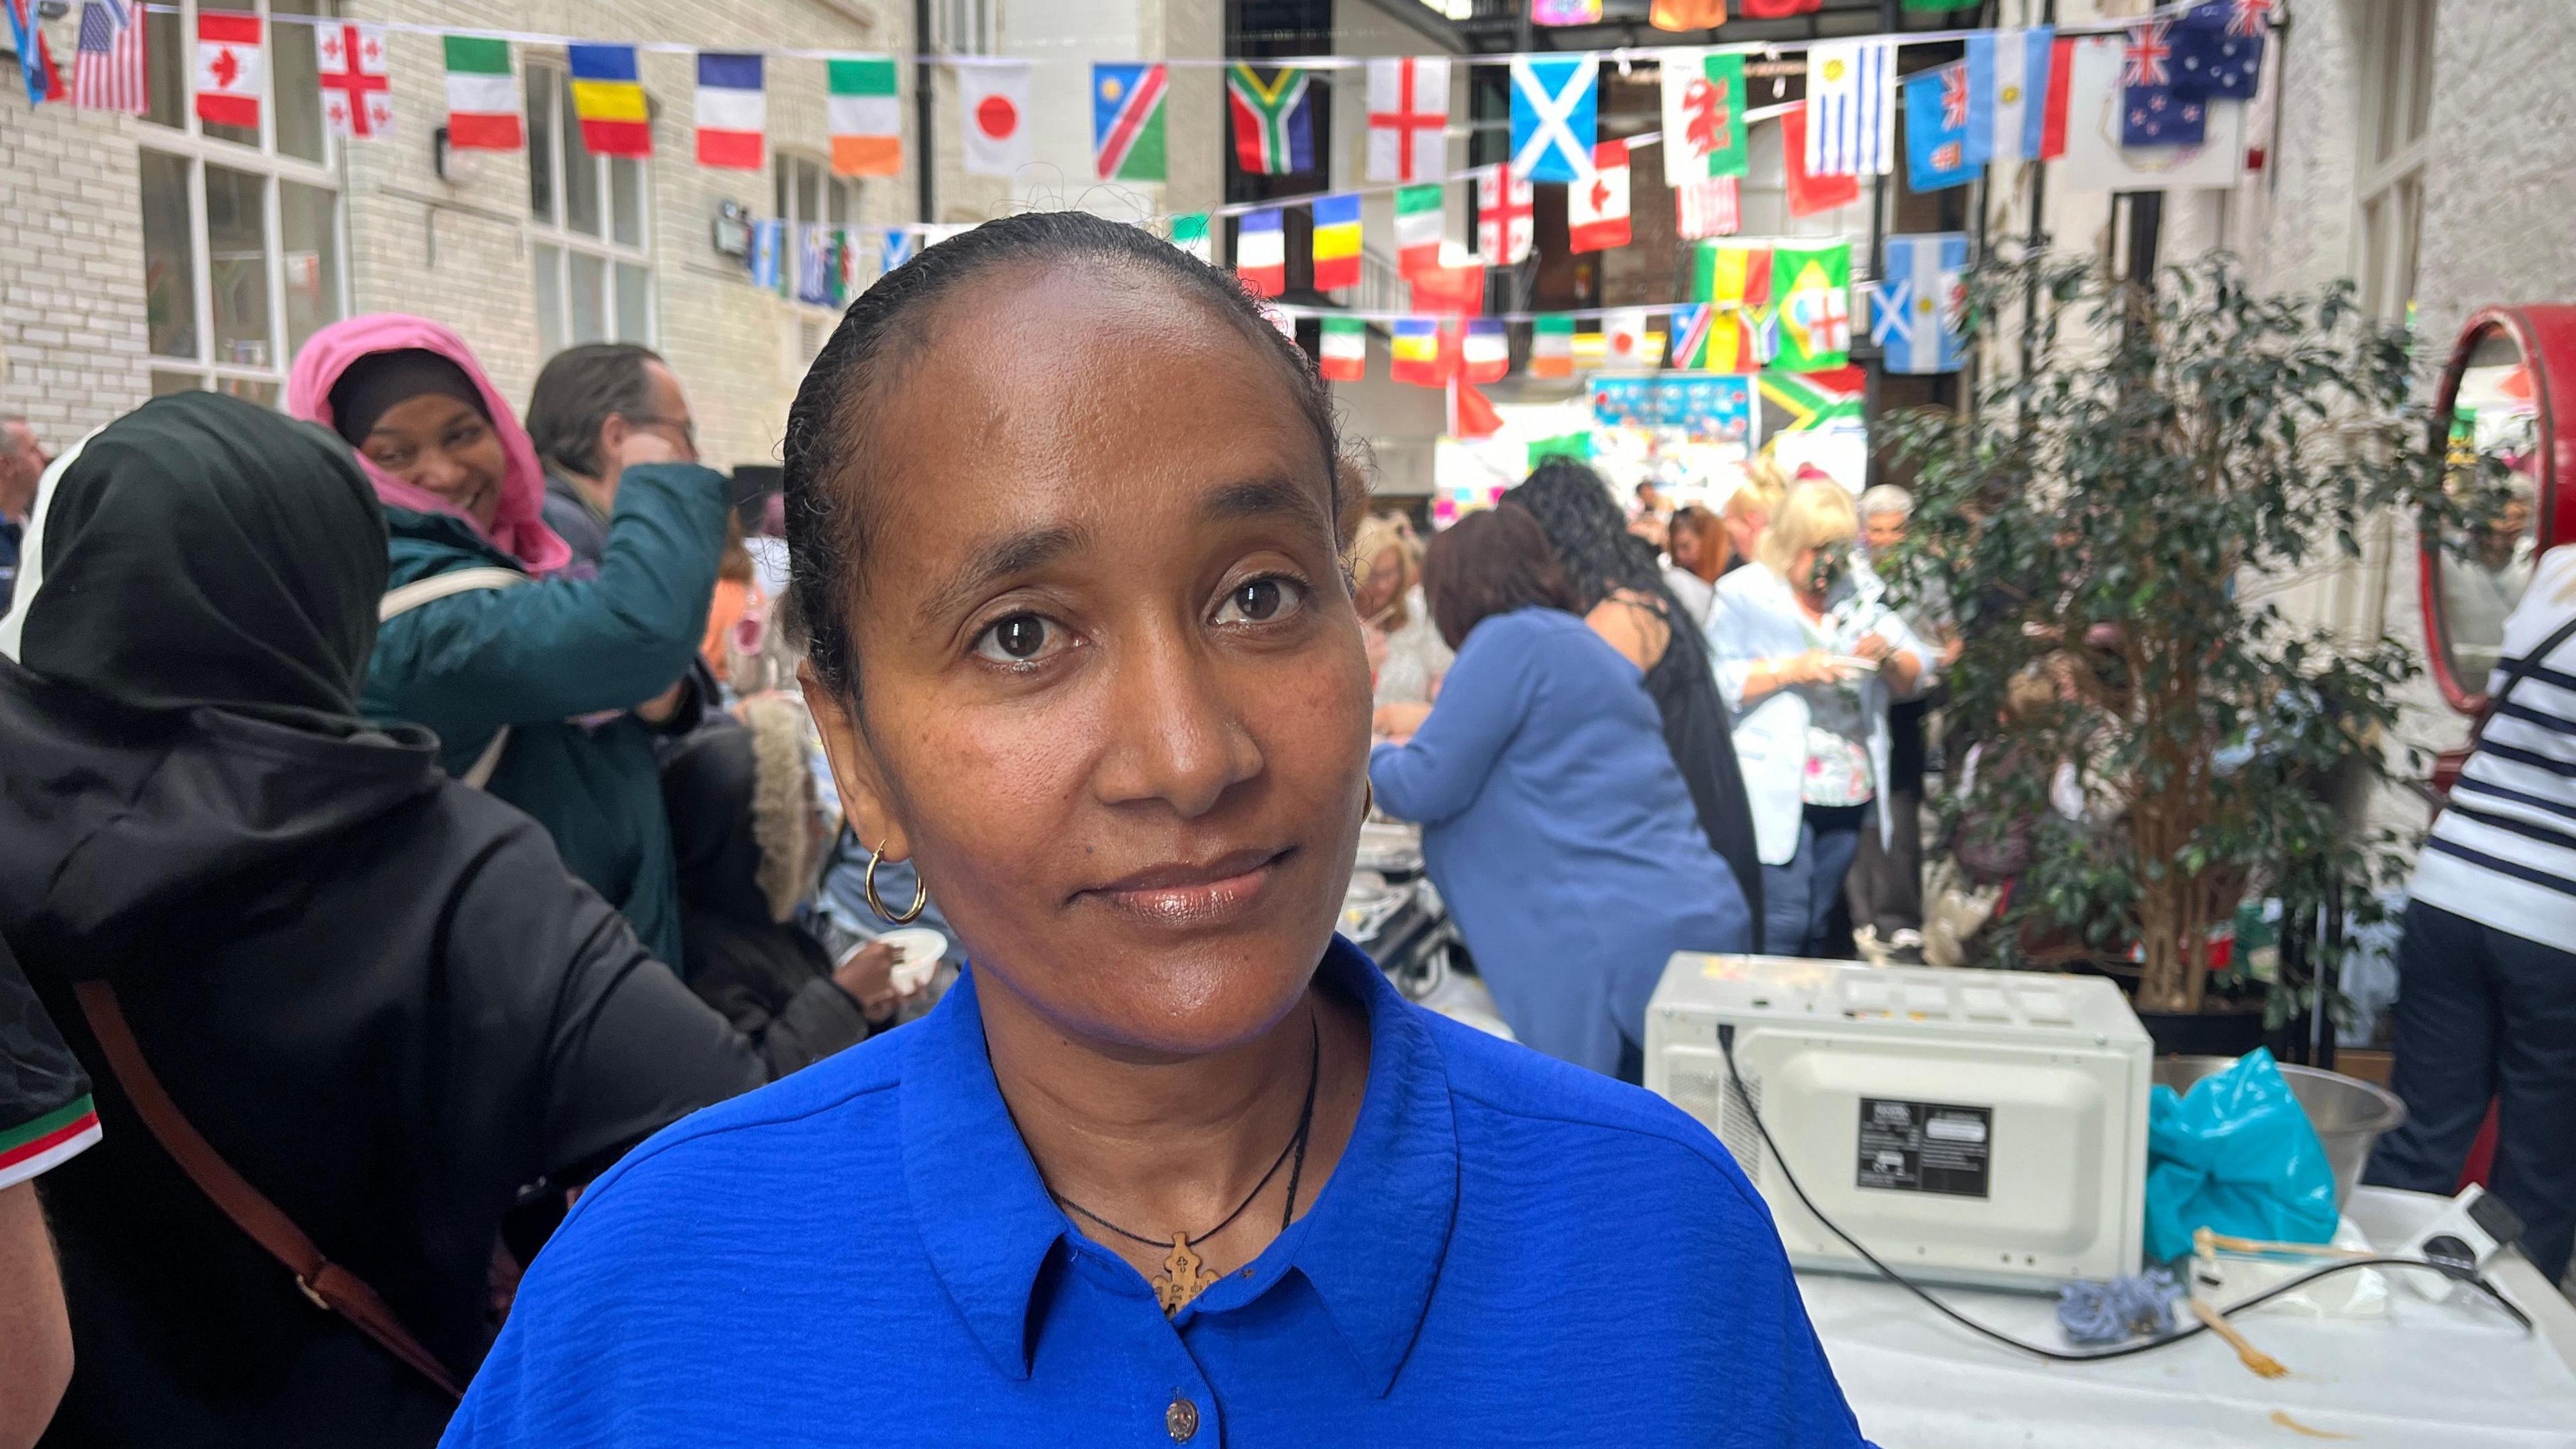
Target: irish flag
x,y
867,124
482,96
1552,345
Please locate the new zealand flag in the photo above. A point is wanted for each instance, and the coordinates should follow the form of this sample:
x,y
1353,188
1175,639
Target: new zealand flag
x,y
2218,52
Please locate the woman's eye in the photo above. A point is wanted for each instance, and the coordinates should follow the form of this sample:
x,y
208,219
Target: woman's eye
x,y
1018,639
391,459
1260,601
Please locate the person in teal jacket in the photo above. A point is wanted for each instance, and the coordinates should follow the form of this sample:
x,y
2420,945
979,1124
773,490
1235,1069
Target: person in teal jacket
x,y
546,689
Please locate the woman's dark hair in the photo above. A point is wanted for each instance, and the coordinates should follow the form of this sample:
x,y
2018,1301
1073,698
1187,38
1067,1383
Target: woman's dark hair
x,y
827,451
1490,562
579,391
1590,534
1692,519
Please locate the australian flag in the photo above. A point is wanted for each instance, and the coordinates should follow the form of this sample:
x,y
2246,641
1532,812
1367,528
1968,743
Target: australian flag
x,y
2153,112
2218,51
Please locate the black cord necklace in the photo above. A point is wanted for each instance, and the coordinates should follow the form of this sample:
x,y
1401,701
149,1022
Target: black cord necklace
x,y
1185,1275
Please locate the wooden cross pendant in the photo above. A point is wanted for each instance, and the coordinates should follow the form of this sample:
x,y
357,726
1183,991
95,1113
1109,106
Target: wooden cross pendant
x,y
1184,1277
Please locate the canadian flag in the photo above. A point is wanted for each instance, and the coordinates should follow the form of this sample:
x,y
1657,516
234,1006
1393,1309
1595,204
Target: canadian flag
x,y
229,63
1596,206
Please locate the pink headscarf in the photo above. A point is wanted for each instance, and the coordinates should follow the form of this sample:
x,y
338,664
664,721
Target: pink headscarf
x,y
518,524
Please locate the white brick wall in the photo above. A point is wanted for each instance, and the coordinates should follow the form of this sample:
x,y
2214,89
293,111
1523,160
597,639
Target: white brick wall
x,y
71,267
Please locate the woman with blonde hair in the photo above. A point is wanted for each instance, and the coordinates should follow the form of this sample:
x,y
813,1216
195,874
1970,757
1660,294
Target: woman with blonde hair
x,y
1807,663
1405,647
1749,509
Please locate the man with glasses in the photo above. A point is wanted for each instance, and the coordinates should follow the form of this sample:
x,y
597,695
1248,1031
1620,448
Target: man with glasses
x,y
586,403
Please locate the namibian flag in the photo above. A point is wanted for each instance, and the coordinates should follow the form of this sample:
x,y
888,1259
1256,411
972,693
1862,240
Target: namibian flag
x,y
609,100
1416,351
1689,348
1274,128
57,1136
1127,121
1337,241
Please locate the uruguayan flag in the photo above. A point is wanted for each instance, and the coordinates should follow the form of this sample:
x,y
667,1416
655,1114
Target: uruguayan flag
x,y
1851,108
1921,301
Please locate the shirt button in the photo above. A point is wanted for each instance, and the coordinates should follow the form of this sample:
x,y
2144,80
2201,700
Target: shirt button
x,y
1182,1419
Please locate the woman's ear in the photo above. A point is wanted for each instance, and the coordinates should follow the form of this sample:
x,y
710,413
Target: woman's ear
x,y
865,802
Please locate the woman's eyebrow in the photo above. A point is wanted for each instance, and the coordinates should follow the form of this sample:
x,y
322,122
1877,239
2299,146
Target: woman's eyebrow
x,y
1256,498
1004,557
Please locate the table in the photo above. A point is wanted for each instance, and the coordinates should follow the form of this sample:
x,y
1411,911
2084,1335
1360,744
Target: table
x,y
2435,1374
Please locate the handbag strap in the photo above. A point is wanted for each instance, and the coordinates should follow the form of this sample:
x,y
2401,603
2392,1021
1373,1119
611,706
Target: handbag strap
x,y
329,1285
410,596
2515,671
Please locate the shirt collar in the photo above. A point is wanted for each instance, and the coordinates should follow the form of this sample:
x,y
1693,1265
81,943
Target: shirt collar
x,y
1371,1246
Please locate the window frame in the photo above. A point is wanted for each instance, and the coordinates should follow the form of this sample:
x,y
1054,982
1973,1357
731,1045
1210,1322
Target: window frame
x,y
964,27
554,232
188,143
2388,179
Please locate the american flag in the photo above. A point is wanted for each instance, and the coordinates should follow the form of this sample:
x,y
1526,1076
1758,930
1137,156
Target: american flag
x,y
107,75
1705,208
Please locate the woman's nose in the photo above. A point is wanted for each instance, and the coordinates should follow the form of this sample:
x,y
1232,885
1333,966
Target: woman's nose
x,y
1178,739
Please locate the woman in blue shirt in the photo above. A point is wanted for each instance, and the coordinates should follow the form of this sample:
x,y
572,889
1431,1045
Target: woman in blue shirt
x,y
1554,820
1169,1164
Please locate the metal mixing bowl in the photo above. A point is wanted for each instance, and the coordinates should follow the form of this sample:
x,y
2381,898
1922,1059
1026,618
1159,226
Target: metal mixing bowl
x,y
2348,1113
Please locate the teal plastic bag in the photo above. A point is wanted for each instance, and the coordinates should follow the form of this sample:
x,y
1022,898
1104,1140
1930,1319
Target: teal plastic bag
x,y
2236,1156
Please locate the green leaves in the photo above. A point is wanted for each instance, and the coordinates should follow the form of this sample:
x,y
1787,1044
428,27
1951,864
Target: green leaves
x,y
2109,523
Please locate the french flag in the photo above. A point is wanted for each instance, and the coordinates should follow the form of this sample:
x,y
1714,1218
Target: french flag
x,y
733,112
1261,253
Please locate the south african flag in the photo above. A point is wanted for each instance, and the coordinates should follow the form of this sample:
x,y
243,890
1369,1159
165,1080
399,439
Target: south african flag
x,y
1274,128
1798,401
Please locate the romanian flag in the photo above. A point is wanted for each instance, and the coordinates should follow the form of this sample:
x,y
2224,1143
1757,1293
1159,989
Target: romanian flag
x,y
733,111
1416,351
1345,350
1337,241
609,100
1552,346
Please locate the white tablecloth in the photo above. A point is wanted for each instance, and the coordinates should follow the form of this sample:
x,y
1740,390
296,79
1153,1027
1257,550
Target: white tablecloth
x,y
2436,1374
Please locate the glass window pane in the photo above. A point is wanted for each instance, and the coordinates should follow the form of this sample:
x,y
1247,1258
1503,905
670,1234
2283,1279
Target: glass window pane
x,y
809,185
2392,37
169,258
294,80
836,210
550,328
634,304
541,143
2419,104
626,200
587,289
237,266
246,135
165,72
262,393
166,383
312,245
779,170
580,174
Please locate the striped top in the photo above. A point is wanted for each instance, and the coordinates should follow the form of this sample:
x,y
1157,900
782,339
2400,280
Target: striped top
x,y
2503,852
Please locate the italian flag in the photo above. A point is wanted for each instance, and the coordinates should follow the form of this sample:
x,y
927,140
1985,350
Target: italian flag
x,y
55,1137
1190,234
482,96
1345,354
867,124
1417,228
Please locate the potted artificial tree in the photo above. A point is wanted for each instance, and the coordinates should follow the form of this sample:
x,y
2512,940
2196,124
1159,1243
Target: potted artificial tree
x,y
2104,522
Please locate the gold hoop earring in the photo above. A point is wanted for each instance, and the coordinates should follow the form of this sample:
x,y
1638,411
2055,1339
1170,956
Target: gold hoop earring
x,y
868,888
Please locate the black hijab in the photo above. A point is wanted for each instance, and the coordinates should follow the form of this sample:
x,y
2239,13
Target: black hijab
x,y
204,552
378,382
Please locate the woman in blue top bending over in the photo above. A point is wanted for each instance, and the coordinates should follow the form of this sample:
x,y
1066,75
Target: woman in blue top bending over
x,y
1170,1164
1555,822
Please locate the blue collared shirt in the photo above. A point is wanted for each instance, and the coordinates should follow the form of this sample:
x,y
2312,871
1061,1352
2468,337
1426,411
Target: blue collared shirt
x,y
1511,1250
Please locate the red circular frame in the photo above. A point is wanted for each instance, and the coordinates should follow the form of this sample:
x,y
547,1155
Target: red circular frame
x,y
2547,337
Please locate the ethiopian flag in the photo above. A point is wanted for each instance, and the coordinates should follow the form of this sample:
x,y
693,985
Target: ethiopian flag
x,y
1812,285
482,95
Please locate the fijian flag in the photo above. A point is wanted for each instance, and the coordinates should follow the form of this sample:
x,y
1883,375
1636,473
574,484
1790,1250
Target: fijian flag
x,y
107,73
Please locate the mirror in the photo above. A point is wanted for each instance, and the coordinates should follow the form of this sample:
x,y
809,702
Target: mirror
x,y
2482,571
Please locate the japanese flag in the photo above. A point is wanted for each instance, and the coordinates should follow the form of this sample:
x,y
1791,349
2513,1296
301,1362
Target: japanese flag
x,y
1623,337
996,121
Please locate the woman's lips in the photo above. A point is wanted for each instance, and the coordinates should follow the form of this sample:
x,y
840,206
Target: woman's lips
x,y
1190,897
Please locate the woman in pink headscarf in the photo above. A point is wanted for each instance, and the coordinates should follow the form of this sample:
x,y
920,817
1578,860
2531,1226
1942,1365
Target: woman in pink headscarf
x,y
545,688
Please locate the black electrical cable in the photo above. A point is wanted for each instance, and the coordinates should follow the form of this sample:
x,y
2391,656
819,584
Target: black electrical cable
x,y
1726,1048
